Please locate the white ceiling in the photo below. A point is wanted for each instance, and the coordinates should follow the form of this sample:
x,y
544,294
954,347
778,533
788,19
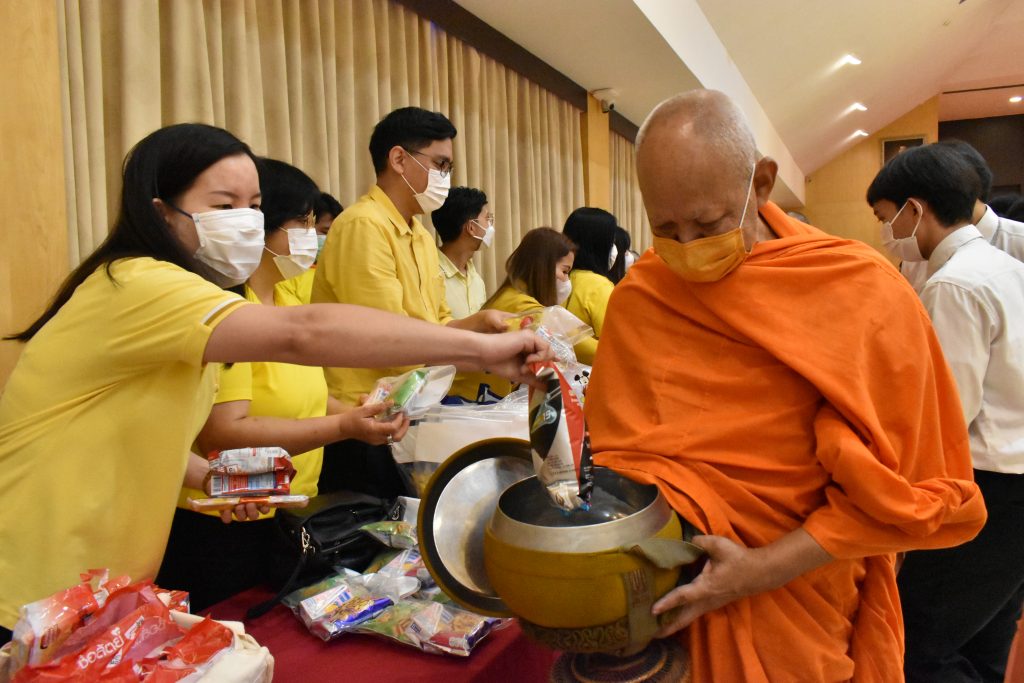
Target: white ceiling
x,y
911,50
786,50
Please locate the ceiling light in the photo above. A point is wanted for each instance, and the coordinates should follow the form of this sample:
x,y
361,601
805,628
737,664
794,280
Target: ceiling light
x,y
849,59
1016,98
860,133
857,106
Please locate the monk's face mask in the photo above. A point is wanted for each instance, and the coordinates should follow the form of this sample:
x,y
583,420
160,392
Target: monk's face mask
x,y
710,258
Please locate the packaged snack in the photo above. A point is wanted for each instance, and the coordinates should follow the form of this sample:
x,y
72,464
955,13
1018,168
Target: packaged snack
x,y
413,392
293,599
392,534
408,563
560,441
43,626
557,326
229,502
266,483
445,629
330,614
251,460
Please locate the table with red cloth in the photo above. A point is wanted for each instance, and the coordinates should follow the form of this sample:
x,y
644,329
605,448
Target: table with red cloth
x,y
504,655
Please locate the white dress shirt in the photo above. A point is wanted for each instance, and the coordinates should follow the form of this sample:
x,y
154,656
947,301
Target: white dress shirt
x,y
1001,233
975,297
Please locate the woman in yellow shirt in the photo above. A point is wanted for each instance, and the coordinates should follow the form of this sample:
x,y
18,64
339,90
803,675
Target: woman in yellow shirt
x,y
266,404
117,376
593,231
537,277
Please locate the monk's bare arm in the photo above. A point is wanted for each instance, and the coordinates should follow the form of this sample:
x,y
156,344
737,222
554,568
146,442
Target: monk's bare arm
x,y
734,572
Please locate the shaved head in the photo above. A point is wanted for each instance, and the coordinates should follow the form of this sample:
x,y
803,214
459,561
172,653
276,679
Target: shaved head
x,y
695,159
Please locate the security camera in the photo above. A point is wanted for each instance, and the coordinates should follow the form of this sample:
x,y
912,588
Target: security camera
x,y
606,96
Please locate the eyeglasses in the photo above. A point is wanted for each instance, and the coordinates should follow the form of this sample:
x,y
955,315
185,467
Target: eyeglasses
x,y
444,166
489,220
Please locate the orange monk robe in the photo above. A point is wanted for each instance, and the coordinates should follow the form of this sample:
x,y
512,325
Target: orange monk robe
x,y
807,388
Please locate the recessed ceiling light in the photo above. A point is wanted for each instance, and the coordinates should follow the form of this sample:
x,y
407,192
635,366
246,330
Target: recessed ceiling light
x,y
857,106
860,133
1016,98
849,59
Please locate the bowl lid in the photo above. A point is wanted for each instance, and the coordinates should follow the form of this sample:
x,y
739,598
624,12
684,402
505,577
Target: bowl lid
x,y
459,501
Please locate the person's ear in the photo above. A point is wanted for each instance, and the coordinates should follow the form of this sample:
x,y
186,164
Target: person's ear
x,y
765,172
165,211
396,159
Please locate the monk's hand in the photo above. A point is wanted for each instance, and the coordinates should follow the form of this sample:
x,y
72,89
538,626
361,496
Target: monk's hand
x,y
733,572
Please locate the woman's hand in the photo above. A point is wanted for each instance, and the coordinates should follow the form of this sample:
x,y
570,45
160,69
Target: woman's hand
x,y
510,355
362,423
244,513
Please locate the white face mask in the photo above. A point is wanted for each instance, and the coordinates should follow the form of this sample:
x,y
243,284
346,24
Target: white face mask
x,y
630,259
563,288
230,243
488,237
432,198
302,252
612,255
906,248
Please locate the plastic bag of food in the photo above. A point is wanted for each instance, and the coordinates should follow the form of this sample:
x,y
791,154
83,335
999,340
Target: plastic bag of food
x,y
262,484
392,534
446,429
338,610
559,440
557,326
251,460
414,392
44,625
408,563
446,629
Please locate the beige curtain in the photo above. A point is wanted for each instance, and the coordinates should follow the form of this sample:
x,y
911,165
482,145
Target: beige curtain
x,y
305,82
627,204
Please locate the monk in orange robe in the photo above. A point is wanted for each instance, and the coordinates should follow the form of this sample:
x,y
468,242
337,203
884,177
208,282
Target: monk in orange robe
x,y
785,391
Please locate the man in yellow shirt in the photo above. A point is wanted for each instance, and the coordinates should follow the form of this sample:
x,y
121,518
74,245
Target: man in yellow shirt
x,y
378,254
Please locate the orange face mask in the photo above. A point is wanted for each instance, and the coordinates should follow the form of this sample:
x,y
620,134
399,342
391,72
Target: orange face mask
x,y
710,258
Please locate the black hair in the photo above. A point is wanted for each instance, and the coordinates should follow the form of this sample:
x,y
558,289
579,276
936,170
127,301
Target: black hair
x,y
462,204
163,165
327,204
1002,203
1016,211
937,174
977,162
409,127
287,193
593,231
622,244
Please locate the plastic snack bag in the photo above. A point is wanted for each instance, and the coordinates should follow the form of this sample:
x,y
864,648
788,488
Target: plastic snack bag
x,y
414,392
330,614
557,326
445,629
266,483
560,441
392,534
251,460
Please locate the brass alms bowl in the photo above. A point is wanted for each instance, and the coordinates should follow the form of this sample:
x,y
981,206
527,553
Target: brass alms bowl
x,y
579,582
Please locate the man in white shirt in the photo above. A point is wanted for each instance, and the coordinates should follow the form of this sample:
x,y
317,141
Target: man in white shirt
x,y
960,605
1000,232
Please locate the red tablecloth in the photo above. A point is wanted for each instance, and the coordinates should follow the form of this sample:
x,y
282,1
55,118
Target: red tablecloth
x,y
504,655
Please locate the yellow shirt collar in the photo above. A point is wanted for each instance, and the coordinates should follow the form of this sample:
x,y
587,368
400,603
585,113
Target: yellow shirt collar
x,y
380,197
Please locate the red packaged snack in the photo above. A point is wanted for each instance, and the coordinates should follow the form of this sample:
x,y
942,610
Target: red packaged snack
x,y
192,654
267,483
251,460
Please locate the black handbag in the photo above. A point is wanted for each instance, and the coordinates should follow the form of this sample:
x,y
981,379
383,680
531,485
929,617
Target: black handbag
x,y
323,535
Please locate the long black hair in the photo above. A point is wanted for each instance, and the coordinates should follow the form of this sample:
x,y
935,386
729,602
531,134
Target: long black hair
x,y
162,165
593,231
286,193
622,244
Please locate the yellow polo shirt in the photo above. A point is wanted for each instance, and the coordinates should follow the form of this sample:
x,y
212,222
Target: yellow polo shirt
x,y
465,293
373,258
278,390
588,302
96,422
